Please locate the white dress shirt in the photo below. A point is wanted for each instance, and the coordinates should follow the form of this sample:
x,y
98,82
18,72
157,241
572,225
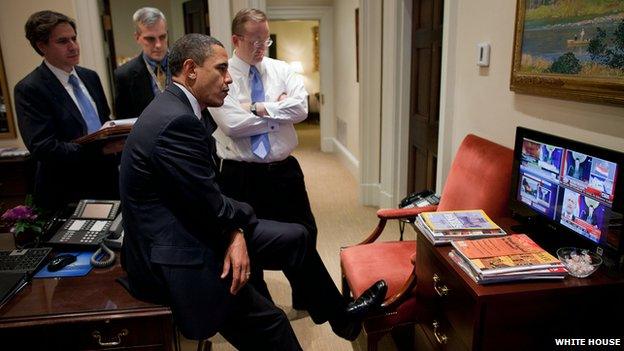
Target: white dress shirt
x,y
236,125
63,77
192,100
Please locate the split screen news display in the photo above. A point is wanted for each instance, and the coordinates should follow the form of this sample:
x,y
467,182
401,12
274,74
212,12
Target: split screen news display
x,y
568,187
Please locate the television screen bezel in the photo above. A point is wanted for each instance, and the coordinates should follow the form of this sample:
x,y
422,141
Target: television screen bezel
x,y
548,231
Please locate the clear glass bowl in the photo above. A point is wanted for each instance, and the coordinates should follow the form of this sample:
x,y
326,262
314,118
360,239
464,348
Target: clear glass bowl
x,y
580,263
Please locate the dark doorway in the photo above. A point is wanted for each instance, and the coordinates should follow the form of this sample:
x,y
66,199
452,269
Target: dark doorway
x,y
196,18
425,93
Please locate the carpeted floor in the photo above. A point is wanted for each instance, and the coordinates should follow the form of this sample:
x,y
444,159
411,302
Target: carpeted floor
x,y
341,222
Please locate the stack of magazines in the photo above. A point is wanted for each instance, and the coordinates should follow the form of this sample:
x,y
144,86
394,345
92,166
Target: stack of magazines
x,y
509,258
444,227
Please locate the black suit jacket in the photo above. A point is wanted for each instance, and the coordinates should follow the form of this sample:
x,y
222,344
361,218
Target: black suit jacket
x,y
176,220
49,120
133,88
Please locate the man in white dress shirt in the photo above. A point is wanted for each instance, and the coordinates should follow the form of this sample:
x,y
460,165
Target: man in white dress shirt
x,y
256,134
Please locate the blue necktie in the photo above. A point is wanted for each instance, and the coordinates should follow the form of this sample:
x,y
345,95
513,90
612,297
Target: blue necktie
x,y
88,112
260,145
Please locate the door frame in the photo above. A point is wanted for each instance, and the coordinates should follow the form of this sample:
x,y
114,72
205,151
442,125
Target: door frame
x,y
324,14
384,100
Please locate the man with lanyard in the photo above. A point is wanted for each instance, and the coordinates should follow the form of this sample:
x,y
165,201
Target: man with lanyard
x,y
142,78
256,133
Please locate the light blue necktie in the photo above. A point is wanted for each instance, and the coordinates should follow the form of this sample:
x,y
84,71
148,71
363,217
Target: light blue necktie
x,y
260,145
88,112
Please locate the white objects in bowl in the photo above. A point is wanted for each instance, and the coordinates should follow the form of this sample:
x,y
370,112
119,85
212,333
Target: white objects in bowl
x,y
579,263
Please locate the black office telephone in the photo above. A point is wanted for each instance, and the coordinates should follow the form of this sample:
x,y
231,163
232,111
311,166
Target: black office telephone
x,y
93,223
418,199
90,223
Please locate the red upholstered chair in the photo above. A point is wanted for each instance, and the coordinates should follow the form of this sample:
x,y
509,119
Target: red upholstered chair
x,y
479,179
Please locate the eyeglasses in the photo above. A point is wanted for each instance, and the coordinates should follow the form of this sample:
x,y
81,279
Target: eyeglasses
x,y
258,44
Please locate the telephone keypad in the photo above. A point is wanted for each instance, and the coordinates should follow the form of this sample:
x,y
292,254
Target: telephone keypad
x,y
79,231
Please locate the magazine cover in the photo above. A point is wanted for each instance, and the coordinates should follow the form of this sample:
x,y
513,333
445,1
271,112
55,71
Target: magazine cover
x,y
505,254
445,237
536,274
458,220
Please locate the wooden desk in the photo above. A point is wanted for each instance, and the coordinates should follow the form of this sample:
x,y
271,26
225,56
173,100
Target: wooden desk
x,y
463,315
70,313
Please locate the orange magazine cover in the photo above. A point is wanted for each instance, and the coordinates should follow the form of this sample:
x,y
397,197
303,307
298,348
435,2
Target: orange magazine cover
x,y
505,254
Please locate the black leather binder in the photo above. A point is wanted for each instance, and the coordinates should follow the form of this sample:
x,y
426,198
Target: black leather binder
x,y
10,284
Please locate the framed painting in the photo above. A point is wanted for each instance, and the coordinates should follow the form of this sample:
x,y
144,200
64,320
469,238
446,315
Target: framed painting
x,y
7,127
570,49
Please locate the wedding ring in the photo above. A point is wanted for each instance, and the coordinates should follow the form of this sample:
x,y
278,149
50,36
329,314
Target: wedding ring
x,y
247,274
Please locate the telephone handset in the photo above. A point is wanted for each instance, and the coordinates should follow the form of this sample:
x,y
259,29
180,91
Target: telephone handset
x,y
116,232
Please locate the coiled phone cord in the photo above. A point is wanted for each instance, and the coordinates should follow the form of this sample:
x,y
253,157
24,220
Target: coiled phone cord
x,y
105,251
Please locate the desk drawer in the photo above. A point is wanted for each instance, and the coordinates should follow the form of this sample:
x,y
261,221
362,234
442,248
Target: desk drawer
x,y
153,333
438,334
452,305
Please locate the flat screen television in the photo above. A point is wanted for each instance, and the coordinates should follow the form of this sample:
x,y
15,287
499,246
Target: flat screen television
x,y
571,193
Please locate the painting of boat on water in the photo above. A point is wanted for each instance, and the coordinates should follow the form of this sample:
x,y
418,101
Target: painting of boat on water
x,y
560,42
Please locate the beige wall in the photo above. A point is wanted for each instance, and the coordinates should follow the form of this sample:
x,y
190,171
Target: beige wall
x,y
300,2
480,101
346,87
19,57
295,43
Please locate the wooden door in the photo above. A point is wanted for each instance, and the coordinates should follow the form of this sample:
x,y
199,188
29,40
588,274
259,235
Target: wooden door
x,y
196,18
425,93
109,40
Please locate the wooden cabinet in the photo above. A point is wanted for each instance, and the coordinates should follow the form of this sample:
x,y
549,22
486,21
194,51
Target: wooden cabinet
x,y
463,315
16,180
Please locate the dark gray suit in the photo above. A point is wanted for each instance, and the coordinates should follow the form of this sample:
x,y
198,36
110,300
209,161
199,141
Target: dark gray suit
x,y
49,120
177,226
133,88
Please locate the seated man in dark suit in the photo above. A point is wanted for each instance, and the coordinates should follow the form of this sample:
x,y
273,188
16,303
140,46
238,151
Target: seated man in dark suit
x,y
57,103
189,246
145,76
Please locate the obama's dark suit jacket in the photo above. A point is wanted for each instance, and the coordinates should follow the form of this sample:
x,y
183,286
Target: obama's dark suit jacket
x,y
176,221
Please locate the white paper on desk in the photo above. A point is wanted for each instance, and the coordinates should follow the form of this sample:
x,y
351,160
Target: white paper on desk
x,y
119,122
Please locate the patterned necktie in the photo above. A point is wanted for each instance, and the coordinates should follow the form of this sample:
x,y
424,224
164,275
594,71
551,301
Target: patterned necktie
x,y
260,145
88,112
161,77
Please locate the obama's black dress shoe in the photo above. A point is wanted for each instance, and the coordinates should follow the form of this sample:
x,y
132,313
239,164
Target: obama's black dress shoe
x,y
370,301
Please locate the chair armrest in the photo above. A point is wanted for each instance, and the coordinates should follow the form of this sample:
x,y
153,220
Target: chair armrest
x,y
402,213
385,214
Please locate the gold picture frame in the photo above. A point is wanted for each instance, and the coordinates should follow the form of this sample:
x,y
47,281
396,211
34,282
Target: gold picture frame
x,y
566,58
7,124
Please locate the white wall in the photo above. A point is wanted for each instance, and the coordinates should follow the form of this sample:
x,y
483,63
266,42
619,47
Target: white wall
x,y
19,57
295,43
346,87
478,100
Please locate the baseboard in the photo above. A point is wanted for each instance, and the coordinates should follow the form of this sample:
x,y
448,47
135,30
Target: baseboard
x,y
327,144
386,200
347,158
369,194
